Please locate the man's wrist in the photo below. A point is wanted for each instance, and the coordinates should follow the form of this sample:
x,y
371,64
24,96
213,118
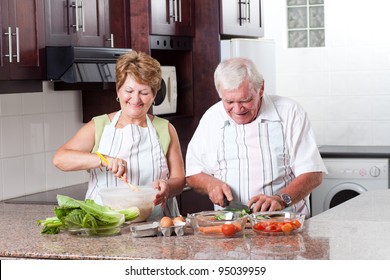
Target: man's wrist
x,y
285,199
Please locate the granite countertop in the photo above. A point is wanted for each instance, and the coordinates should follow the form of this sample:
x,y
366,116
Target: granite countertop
x,y
356,229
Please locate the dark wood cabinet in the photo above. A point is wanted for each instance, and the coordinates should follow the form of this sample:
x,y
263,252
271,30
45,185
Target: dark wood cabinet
x,y
241,18
22,40
172,17
78,23
191,202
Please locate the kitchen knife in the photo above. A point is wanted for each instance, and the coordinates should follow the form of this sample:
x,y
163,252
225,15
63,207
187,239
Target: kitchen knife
x,y
235,205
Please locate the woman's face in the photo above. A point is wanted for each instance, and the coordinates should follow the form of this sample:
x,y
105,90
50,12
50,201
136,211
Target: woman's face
x,y
135,99
242,104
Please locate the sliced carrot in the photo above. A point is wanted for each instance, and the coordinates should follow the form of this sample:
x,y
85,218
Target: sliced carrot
x,y
211,229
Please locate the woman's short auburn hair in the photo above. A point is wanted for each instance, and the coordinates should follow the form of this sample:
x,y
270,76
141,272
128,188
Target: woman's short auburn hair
x,y
141,67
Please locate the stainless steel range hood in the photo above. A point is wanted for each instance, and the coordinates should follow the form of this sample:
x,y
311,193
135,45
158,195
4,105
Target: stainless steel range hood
x,y
82,64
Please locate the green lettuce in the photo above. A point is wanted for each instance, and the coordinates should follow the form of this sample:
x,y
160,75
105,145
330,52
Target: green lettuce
x,y
72,213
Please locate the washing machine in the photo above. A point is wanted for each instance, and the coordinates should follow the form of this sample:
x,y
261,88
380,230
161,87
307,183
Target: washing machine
x,y
347,178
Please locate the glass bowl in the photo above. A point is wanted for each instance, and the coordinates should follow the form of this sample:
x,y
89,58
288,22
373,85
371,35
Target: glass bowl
x,y
95,232
123,198
218,224
277,223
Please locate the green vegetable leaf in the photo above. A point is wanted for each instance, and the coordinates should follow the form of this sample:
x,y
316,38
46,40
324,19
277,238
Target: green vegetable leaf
x,y
50,225
130,213
72,213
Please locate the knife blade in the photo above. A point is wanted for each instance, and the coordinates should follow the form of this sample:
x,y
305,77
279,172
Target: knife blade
x,y
235,205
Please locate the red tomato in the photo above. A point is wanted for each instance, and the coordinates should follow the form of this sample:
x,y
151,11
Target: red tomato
x,y
259,226
229,230
296,224
287,227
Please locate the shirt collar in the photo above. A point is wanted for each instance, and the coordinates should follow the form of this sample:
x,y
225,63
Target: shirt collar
x,y
267,112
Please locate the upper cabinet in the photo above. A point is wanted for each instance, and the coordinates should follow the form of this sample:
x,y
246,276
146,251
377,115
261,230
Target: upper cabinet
x,y
172,17
78,23
243,18
21,39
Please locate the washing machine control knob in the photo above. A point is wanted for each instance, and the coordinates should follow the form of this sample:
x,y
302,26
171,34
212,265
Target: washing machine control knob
x,y
375,171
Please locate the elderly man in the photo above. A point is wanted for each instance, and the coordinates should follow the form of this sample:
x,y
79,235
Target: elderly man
x,y
252,148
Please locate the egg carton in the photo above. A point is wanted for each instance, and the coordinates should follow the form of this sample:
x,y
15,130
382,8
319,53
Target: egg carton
x,y
154,229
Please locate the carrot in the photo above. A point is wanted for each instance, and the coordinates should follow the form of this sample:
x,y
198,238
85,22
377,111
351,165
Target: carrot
x,y
211,229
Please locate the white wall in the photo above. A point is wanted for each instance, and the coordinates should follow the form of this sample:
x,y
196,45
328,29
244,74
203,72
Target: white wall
x,y
345,86
32,127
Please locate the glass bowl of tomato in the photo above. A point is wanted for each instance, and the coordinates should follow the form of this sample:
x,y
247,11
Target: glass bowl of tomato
x,y
277,223
218,224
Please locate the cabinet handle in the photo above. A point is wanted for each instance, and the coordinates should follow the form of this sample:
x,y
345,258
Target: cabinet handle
x,y
75,5
179,10
82,16
240,17
9,33
175,10
111,40
248,11
17,44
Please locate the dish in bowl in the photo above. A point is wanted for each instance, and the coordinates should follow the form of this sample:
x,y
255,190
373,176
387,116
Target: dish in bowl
x,y
218,224
124,198
277,223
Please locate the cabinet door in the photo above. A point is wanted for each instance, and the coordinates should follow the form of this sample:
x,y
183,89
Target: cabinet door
x,y
94,23
172,17
77,23
119,33
241,18
24,20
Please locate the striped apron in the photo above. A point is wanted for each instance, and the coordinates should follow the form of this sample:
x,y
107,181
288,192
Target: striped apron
x,y
146,162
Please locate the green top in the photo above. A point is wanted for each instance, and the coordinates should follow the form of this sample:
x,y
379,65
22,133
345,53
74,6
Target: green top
x,y
161,126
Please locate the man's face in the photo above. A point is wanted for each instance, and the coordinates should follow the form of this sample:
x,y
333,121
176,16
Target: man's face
x,y
242,104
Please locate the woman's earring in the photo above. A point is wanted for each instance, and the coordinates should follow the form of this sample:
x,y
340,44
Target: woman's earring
x,y
117,99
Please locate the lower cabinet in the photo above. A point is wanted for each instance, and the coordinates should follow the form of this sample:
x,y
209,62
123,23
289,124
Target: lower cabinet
x,y
191,202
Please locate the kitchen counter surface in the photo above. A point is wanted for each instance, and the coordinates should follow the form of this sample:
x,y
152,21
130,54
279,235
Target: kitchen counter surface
x,y
356,229
339,151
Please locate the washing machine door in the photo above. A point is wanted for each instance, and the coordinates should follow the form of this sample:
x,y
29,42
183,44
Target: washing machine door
x,y
341,193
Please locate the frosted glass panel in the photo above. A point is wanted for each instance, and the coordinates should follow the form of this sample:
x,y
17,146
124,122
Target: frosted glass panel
x,y
297,17
313,2
305,23
297,39
296,2
316,17
317,38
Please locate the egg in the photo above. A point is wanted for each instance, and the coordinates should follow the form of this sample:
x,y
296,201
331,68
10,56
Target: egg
x,y
179,220
166,222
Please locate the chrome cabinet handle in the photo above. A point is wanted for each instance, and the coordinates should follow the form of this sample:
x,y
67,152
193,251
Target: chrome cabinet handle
x,y
111,40
248,11
9,33
175,8
179,10
75,5
82,16
17,44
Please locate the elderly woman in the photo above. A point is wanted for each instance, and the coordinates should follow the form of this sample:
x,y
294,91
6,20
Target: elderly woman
x,y
140,148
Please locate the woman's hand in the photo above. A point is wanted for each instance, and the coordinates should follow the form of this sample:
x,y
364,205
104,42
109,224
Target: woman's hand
x,y
117,166
163,192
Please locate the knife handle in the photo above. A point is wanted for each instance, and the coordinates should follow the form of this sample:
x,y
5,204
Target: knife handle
x,y
225,201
